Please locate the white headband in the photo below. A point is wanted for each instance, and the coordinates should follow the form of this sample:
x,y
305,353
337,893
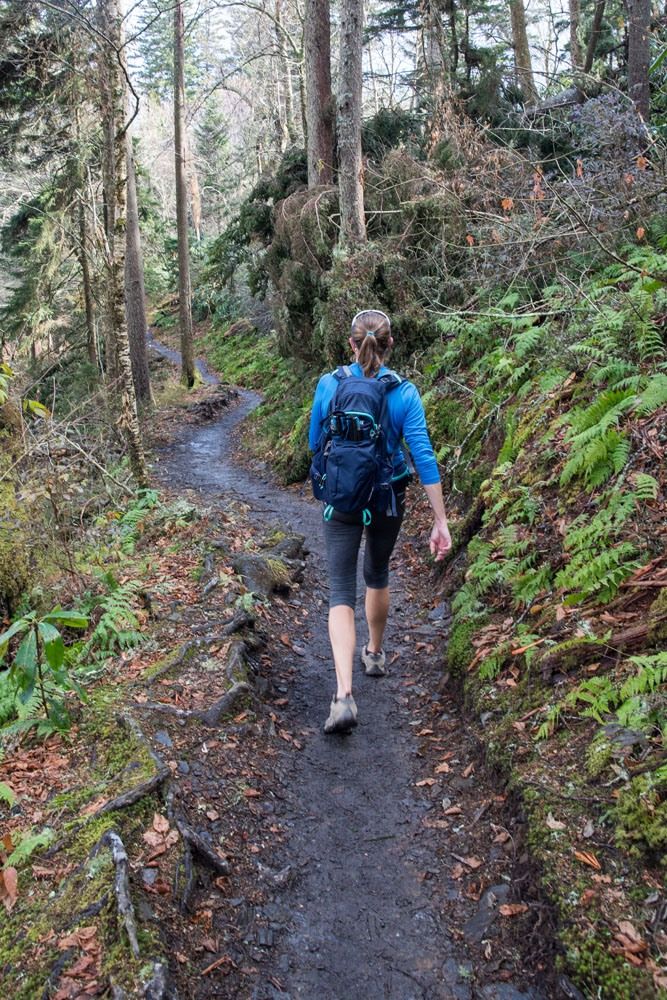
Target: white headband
x,y
362,311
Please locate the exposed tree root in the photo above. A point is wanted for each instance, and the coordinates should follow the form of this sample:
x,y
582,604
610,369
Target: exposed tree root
x,y
158,987
122,887
201,849
133,795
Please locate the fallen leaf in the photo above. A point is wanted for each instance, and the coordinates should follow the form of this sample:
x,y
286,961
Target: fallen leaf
x,y
443,768
512,909
589,829
453,811
587,858
555,824
471,861
502,837
425,781
9,887
285,639
470,769
457,871
251,793
212,814
160,823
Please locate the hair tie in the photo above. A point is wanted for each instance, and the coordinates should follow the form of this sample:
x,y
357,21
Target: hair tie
x,y
371,333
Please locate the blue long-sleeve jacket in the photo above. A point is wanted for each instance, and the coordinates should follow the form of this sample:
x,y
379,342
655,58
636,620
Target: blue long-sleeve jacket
x,y
405,420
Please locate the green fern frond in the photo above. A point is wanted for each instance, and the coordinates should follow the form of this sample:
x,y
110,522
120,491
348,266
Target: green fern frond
x,y
653,395
646,487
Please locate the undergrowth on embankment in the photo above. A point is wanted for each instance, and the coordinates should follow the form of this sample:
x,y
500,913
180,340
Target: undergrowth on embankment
x,y
549,419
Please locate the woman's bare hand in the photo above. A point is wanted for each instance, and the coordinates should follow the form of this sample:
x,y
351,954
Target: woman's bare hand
x,y
441,540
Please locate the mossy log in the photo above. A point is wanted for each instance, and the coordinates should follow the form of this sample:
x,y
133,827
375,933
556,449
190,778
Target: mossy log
x,y
575,653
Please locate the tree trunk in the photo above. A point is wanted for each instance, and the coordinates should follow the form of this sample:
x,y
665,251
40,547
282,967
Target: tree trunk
x,y
522,60
450,10
434,54
88,298
286,75
594,37
575,45
114,179
350,166
184,286
639,32
135,300
319,101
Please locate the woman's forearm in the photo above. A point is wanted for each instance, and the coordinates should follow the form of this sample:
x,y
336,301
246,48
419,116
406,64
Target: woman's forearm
x,y
435,498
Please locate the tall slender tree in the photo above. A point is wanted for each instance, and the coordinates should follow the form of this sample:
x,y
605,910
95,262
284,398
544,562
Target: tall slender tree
x,y
576,57
319,100
184,284
639,39
522,60
350,164
113,98
135,299
594,37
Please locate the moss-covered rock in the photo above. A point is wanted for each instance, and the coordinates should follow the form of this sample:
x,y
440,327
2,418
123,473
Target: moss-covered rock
x,y
641,819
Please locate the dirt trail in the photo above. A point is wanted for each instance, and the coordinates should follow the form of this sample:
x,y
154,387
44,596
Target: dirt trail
x,y
360,901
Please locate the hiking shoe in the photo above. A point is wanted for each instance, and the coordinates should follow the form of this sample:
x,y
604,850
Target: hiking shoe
x,y
373,662
342,715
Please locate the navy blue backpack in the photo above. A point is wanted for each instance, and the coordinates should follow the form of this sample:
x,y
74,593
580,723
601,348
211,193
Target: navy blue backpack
x,y
352,469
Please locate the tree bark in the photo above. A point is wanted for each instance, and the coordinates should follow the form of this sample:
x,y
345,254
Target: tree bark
x,y
184,285
350,165
575,45
319,101
114,179
135,299
639,34
88,298
434,53
286,75
522,60
594,37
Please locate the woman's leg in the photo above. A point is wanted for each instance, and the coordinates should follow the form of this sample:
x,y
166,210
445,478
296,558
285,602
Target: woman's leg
x,y
381,536
377,610
342,542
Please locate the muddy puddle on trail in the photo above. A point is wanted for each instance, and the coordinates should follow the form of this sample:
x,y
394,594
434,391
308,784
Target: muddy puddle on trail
x,y
388,881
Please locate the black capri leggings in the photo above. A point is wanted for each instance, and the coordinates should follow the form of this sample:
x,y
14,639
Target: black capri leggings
x,y
343,540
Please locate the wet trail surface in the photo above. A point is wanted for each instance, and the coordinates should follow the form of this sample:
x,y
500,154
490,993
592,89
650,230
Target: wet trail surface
x,y
360,900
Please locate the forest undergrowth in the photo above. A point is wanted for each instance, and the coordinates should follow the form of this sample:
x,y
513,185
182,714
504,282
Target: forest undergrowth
x,y
529,304
528,293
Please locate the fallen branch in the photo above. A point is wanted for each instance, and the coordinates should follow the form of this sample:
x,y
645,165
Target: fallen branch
x,y
226,705
122,887
203,851
133,795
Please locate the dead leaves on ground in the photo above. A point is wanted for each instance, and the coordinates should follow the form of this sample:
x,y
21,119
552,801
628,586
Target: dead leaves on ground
x,y
82,979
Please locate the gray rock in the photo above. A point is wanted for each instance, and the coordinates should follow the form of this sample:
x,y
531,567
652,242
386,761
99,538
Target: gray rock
x,y
478,926
505,991
183,767
149,876
163,738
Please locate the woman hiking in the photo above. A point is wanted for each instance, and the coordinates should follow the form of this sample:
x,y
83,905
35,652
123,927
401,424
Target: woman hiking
x,y
360,415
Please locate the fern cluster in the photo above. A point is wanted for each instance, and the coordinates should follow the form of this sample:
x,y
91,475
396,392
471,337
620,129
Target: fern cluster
x,y
118,628
636,704
597,563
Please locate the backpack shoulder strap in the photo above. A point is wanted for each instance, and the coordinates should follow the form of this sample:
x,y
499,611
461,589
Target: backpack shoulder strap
x,y
390,379
343,372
